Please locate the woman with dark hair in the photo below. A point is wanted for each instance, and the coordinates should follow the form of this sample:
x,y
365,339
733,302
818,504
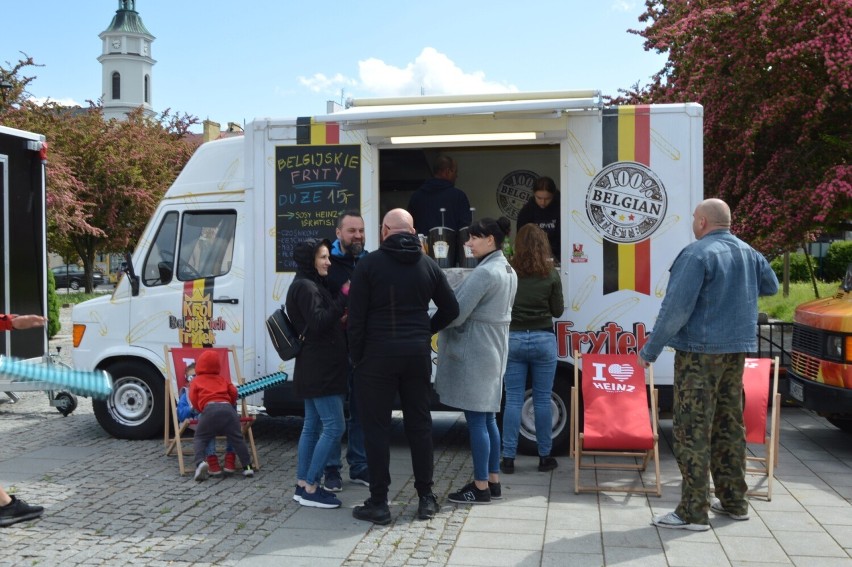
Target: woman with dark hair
x,y
321,368
542,210
532,345
473,351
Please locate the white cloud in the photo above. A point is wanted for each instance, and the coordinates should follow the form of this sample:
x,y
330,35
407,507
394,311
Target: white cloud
x,y
431,73
319,83
40,100
624,6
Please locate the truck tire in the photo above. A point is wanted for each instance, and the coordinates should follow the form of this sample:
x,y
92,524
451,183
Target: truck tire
x,y
135,408
561,408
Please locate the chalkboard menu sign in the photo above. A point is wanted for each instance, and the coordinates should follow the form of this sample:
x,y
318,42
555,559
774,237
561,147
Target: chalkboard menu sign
x,y
313,185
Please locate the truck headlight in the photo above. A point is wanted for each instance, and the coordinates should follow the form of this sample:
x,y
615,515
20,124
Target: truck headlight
x,y
77,334
834,347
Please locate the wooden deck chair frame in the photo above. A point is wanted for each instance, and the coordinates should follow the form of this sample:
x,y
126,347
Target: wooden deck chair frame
x,y
634,459
175,444
765,465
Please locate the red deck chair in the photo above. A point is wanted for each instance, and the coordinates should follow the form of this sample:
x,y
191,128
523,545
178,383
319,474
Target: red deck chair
x,y
177,360
617,422
760,396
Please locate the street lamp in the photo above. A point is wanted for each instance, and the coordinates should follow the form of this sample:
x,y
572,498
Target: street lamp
x,y
5,86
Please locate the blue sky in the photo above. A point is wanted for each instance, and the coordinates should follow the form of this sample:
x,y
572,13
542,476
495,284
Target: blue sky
x,y
231,61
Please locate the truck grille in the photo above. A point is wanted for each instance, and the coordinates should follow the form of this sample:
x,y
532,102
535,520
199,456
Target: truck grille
x,y
807,340
805,366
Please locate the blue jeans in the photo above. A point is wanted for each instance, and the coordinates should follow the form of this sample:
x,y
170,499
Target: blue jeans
x,y
356,456
532,352
484,443
211,448
321,433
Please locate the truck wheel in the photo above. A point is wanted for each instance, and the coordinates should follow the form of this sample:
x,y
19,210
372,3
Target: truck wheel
x,y
135,408
560,403
842,423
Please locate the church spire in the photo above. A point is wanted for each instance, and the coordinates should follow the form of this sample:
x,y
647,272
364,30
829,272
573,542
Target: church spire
x,y
126,63
127,19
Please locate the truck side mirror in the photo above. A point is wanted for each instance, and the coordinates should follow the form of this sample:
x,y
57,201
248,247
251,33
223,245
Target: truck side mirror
x,y
131,274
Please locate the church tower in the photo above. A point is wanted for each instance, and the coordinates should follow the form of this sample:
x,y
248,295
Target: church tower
x,y
126,63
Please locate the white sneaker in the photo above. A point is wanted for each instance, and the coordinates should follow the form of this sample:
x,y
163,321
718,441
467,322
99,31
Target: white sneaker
x,y
674,522
717,507
202,471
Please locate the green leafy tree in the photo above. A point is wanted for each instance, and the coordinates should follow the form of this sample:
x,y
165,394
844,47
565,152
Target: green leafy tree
x,y
66,213
53,323
837,259
774,78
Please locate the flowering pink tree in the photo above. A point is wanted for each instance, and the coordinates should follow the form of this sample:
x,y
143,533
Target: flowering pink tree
x,y
104,178
774,78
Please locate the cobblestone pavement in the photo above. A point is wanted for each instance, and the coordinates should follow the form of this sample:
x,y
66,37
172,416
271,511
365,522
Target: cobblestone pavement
x,y
111,501
117,502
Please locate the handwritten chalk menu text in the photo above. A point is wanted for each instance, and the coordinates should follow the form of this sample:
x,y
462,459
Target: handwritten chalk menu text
x,y
313,185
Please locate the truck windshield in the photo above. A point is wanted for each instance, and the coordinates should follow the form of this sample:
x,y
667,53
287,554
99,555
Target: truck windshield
x,y
206,244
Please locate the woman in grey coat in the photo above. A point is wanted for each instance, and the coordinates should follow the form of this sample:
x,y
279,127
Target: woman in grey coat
x,y
472,354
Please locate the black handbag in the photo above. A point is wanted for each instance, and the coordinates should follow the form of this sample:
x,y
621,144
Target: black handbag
x,y
286,340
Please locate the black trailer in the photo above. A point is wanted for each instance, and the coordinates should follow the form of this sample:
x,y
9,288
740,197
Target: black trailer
x,y
23,241
23,282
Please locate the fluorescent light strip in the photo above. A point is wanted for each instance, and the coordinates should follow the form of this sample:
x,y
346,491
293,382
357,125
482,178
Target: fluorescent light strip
x,y
447,138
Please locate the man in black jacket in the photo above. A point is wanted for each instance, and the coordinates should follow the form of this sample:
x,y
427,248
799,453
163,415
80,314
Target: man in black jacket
x,y
389,343
440,192
345,253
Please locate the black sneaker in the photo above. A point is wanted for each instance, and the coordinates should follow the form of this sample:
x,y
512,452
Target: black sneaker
x,y
372,512
496,490
469,494
547,464
300,491
428,506
18,511
362,478
332,481
320,498
507,465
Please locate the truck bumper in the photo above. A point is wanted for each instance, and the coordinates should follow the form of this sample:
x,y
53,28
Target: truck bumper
x,y
819,397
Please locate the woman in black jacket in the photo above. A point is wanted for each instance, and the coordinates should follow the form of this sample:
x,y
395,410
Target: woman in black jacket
x,y
321,368
543,211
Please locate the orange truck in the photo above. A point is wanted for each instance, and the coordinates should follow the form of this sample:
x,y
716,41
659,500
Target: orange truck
x,y
820,373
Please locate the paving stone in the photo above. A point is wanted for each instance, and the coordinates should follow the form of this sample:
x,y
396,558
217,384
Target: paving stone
x,y
118,502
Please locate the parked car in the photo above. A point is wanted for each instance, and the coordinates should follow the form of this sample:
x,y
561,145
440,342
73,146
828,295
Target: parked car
x,y
72,276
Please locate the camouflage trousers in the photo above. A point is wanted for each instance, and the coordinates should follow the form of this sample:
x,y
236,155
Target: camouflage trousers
x,y
709,434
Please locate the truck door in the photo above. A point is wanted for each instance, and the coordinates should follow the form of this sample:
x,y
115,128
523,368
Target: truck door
x,y
192,277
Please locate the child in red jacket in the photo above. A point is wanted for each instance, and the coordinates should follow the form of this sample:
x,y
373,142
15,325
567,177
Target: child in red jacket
x,y
214,396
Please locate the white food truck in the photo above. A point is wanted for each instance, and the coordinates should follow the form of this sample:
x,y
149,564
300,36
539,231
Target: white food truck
x,y
215,259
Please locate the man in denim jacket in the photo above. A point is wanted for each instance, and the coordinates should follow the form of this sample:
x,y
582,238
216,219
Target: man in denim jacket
x,y
709,317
